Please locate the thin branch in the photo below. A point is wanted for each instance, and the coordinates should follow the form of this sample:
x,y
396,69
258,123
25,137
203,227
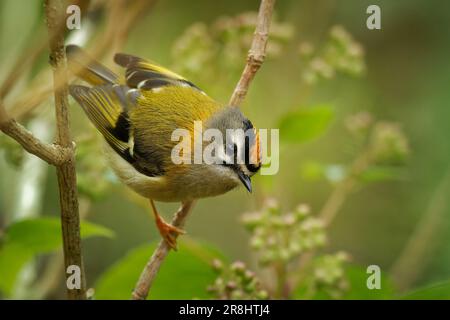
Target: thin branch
x,y
68,195
51,153
50,279
254,60
151,269
257,52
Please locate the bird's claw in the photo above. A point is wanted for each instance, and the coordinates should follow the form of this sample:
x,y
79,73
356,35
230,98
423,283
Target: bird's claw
x,y
169,233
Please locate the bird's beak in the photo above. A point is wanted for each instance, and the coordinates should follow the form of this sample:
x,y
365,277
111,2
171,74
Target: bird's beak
x,y
245,180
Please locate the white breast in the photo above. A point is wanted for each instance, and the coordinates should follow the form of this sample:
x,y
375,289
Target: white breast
x,y
199,182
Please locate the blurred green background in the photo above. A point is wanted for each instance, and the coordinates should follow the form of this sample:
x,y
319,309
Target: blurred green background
x,y
405,80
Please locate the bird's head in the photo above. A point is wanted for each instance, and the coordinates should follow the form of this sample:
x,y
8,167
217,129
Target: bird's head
x,y
241,153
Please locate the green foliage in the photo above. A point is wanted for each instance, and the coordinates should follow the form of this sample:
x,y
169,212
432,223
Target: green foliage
x,y
12,259
340,53
357,278
27,238
42,235
305,124
438,291
185,274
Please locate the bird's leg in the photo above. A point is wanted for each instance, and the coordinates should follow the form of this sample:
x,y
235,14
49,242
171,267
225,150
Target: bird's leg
x,y
167,231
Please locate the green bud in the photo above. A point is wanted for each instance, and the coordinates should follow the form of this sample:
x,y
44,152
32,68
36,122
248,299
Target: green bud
x,y
359,123
231,285
237,295
238,267
217,265
262,295
389,145
256,243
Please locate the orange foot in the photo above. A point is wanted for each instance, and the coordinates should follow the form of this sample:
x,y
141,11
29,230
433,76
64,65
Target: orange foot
x,y
169,232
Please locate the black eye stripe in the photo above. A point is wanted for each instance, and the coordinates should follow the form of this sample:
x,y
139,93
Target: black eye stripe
x,y
252,168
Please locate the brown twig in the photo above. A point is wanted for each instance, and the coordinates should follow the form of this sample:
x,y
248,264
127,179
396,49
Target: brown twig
x,y
49,280
148,275
254,60
68,195
51,153
256,54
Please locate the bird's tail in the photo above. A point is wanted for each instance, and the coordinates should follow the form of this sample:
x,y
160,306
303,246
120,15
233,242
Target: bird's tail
x,y
86,68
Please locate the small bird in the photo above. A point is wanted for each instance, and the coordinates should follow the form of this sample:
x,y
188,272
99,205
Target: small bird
x,y
137,114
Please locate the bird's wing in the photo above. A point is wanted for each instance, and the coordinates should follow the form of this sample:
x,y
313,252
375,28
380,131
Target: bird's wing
x,y
91,71
144,75
104,106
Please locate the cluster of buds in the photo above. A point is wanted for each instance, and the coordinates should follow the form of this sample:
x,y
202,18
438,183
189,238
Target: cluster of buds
x,y
341,53
194,49
359,123
236,282
388,144
329,274
227,41
282,237
238,32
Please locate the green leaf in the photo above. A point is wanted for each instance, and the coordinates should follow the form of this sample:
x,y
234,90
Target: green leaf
x,y
26,238
185,274
305,124
12,259
43,235
357,277
439,291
